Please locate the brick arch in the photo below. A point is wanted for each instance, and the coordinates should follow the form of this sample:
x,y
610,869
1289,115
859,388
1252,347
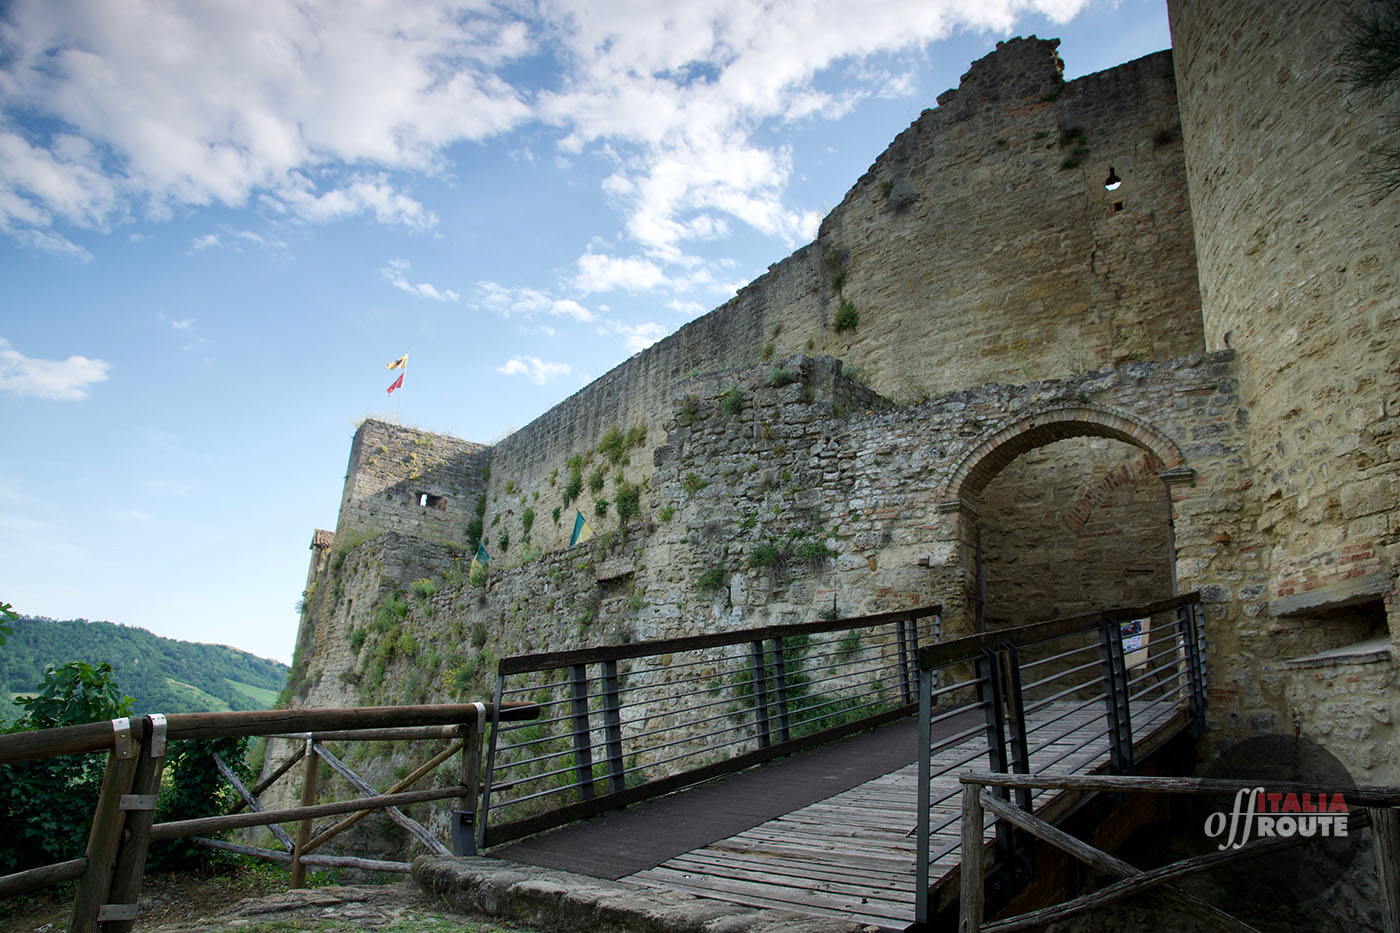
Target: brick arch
x,y
977,467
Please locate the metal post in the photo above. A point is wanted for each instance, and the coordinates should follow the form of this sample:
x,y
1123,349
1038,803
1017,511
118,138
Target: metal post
x,y
1196,695
780,697
583,740
923,756
1115,676
612,727
760,694
906,694
1018,751
989,692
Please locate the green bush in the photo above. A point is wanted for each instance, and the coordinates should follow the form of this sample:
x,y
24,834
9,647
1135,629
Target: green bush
x,y
689,410
423,588
781,377
711,579
693,483
847,317
600,508
733,401
628,502
527,521
764,554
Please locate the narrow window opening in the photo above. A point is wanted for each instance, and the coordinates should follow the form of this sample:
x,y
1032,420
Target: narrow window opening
x,y
1112,182
1117,206
427,500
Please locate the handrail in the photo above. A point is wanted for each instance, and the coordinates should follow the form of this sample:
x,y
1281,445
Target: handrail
x,y
98,736
970,646
526,663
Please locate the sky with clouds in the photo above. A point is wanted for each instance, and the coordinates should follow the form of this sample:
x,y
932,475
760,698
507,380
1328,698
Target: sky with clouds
x,y
218,222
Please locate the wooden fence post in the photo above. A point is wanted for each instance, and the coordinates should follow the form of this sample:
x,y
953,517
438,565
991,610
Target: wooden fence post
x,y
107,824
310,774
1385,824
970,879
140,806
464,818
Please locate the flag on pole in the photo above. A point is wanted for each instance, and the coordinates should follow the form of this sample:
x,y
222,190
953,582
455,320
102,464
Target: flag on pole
x,y
482,558
582,530
400,363
397,384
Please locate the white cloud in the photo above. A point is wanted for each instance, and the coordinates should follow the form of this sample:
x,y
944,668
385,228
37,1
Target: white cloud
x,y
688,308
504,300
599,273
637,337
338,106
396,271
62,380
534,369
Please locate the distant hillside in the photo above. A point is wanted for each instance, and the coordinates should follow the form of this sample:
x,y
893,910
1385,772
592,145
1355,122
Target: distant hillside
x,y
162,675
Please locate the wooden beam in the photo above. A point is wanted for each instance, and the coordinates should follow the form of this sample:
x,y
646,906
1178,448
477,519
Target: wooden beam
x,y
1150,879
214,824
104,839
131,858
1212,916
1385,823
413,827
22,882
970,884
252,801
97,736
309,776
405,782
329,861
271,779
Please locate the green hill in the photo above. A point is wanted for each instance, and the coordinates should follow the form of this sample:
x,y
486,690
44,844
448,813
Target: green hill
x,y
162,675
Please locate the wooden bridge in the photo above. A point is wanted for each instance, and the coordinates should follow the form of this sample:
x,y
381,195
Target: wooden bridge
x,y
866,828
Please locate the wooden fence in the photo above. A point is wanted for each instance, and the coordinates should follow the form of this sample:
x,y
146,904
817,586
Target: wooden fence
x,y
1376,810
110,872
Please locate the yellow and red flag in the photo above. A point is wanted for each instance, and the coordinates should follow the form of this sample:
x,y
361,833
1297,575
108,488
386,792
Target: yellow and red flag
x,y
399,363
397,384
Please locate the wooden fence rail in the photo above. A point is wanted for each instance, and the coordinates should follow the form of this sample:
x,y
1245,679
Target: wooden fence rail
x,y
1376,809
111,870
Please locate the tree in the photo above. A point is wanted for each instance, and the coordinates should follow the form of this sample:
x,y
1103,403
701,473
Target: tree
x,y
1369,62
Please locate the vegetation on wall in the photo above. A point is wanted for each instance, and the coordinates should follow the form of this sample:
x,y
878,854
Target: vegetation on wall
x,y
1369,62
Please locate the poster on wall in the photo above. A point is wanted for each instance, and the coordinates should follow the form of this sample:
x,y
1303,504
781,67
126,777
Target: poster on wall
x,y
1135,641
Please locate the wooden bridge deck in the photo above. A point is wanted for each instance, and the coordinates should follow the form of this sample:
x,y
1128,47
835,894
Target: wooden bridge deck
x,y
849,854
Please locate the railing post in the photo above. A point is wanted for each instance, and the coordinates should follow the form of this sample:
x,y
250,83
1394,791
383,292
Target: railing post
x,y
1115,678
760,694
140,805
905,675
1018,751
780,697
923,757
484,814
1196,694
989,692
583,739
311,767
463,830
612,724
106,834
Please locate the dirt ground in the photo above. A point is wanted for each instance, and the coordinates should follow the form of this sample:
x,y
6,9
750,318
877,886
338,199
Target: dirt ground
x,y
255,900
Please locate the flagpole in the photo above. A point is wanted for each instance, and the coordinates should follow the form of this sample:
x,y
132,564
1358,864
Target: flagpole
x,y
398,406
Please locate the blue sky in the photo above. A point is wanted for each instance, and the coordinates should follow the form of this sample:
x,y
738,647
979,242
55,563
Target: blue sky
x,y
219,221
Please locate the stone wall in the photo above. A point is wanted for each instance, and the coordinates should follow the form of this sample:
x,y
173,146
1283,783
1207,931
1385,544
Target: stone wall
x,y
981,245
411,481
1298,260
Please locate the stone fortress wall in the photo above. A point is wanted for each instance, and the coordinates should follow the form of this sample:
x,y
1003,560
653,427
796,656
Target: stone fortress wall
x,y
1027,394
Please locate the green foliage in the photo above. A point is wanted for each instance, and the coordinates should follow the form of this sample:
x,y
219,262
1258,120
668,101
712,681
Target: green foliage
x,y
511,487
527,521
712,578
846,317
693,483
48,802
476,525
1073,139
886,186
555,515
162,674
665,513
7,616
423,587
357,639
769,349
595,480
589,611
628,501
813,551
1369,62
600,508
733,401
838,272
503,542
197,789
574,486
477,577
764,554
689,410
781,377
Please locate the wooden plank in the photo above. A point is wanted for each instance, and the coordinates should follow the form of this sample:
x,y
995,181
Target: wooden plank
x,y
131,858
796,869
760,895
413,827
756,900
104,839
214,824
22,882
309,777
97,736
971,889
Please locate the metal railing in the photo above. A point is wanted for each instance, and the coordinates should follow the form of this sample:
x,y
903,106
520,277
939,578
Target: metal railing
x,y
1063,696
110,871
622,723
